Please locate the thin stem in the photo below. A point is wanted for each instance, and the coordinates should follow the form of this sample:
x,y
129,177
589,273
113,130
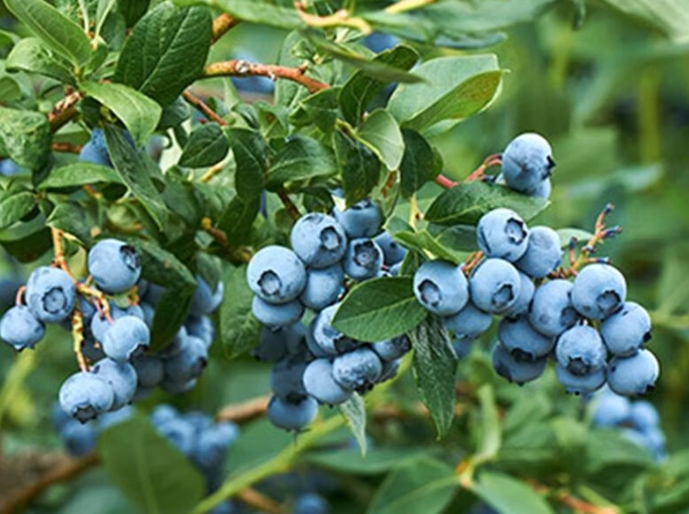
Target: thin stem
x,y
241,68
222,24
573,502
445,182
199,104
64,111
292,209
211,173
245,411
340,18
407,5
66,148
260,502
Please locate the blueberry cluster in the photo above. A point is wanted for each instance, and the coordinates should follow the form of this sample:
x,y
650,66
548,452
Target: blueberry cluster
x,y
586,325
638,420
318,364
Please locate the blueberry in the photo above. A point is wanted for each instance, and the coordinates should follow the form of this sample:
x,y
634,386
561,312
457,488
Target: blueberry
x,y
276,275
395,269
188,364
364,259
655,442
501,233
469,323
644,415
363,219
598,291
79,438
310,503
176,387
274,345
526,162
625,331
204,300
633,375
580,384
175,346
50,294
212,444
200,421
90,152
514,371
112,418
319,383
462,346
494,286
611,409
393,253
441,287
275,316
163,413
551,310
201,327
392,349
149,313
84,396
179,433
542,190
323,286
149,370
379,42
580,350
121,376
523,341
58,417
286,380
389,371
114,265
543,253
20,329
126,337
319,240
357,370
9,168
326,337
100,325
292,416
526,291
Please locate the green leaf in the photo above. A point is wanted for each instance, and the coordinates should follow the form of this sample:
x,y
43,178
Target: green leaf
x,y
10,90
566,234
669,16
33,56
381,134
14,205
359,166
434,368
423,240
379,309
319,109
79,174
508,495
360,89
25,137
174,114
454,89
56,30
207,145
378,460
354,412
421,486
254,11
148,469
420,164
166,51
134,172
238,218
301,158
251,158
74,220
138,112
132,10
239,330
467,202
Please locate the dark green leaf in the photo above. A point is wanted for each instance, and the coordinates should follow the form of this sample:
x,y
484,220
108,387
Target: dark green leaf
x,y
166,51
301,158
420,163
434,369
132,10
53,28
251,159
288,93
25,137
174,114
207,145
508,495
138,112
26,242
354,412
72,219
378,460
320,109
360,89
379,309
32,55
423,240
79,174
238,218
359,166
454,88
457,238
468,201
150,472
180,197
421,486
133,170
255,11
239,330
14,205
381,134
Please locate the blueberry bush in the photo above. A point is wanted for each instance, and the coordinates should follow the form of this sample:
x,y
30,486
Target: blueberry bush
x,y
334,256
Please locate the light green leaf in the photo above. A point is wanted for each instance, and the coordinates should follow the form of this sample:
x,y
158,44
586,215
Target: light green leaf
x,y
34,56
508,495
423,240
207,145
566,234
79,174
670,16
25,137
354,412
381,134
14,205
378,460
254,11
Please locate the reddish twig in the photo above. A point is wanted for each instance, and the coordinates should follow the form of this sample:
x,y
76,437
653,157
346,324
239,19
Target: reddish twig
x,y
241,68
477,174
445,182
64,111
222,24
245,411
66,147
202,107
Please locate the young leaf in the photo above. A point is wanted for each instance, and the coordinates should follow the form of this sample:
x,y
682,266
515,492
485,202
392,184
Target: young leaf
x,y
379,309
138,112
420,164
359,166
207,145
423,240
354,412
54,28
14,205
434,368
166,51
33,56
25,137
454,88
421,486
467,202
148,469
239,330
251,159
381,134
508,495
301,158
254,11
79,174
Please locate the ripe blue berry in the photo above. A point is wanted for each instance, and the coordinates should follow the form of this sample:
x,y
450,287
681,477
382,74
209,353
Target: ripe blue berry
x,y
96,151
364,259
363,219
326,337
494,286
526,291
580,350
357,370
523,341
201,327
20,329
79,438
580,384
276,275
188,364
100,324
274,345
611,409
84,396
323,286
543,189
114,265
514,371
526,162
644,415
551,310
286,379
204,300
633,375
292,416
393,253
122,378
115,417
310,503
441,287
469,323
9,168
179,433
598,291
149,370
126,337
543,253
625,331
50,294
319,383
392,349
319,240
275,316
212,443
501,233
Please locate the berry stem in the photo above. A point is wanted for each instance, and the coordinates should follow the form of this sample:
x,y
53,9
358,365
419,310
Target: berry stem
x,y
78,338
340,18
471,262
201,106
66,147
445,182
261,502
20,295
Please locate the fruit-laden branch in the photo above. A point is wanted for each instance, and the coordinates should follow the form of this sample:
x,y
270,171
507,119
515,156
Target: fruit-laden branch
x,y
222,24
241,68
